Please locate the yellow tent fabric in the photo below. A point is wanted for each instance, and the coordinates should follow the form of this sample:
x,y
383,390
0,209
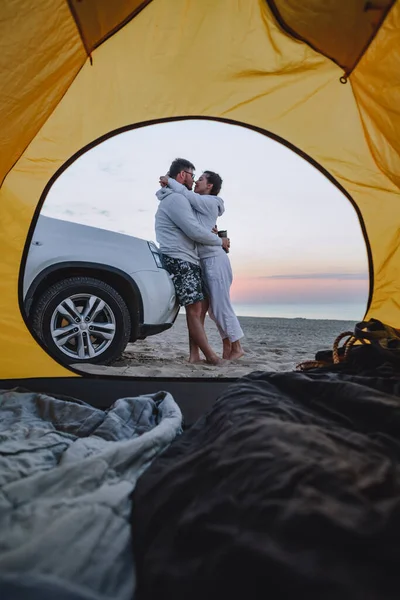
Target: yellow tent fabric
x,y
73,72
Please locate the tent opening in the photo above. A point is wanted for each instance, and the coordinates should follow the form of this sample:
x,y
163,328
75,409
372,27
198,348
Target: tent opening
x,y
299,259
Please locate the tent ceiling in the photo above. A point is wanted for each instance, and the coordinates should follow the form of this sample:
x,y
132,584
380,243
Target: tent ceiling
x,y
44,43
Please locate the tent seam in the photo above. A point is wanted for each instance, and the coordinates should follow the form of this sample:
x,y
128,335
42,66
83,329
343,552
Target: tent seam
x,y
282,23
79,28
122,24
373,36
347,71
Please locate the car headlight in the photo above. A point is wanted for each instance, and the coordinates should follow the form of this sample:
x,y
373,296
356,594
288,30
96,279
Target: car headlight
x,y
156,254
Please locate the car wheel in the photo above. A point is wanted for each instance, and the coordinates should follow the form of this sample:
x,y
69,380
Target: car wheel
x,y
82,319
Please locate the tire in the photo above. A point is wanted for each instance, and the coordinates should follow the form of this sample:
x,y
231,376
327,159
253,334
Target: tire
x,y
58,320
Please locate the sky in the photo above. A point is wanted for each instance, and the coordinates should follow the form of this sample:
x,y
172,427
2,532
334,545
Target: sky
x,y
296,243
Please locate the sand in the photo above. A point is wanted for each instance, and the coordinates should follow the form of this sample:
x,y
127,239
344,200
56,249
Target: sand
x,y
270,344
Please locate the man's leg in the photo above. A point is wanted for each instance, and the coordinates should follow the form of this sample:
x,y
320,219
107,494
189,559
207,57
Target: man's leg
x,y
194,350
204,308
197,335
189,291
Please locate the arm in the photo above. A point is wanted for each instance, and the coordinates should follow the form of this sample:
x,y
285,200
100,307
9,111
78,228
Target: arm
x,y
197,201
182,215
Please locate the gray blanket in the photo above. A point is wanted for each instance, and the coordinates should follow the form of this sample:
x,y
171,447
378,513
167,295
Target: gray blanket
x,y
66,474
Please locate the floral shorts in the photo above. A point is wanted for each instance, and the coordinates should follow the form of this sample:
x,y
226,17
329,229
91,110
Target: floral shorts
x,y
186,278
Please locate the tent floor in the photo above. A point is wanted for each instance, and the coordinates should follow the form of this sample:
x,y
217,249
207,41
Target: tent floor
x,y
194,397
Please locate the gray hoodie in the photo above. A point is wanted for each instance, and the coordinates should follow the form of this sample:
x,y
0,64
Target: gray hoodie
x,y
207,210
177,228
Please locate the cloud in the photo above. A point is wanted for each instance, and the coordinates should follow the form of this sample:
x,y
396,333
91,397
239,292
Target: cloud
x,y
112,168
319,276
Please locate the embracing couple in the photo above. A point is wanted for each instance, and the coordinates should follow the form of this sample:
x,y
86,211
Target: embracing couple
x,y
197,257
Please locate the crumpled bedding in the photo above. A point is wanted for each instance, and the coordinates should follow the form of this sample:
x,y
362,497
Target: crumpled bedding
x,y
67,471
289,486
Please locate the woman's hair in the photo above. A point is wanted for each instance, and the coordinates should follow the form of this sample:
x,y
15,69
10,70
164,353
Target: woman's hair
x,y
216,181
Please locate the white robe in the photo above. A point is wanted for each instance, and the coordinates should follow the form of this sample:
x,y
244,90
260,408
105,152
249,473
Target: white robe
x,y
217,277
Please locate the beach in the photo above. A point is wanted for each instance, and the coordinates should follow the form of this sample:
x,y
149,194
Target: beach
x,y
270,344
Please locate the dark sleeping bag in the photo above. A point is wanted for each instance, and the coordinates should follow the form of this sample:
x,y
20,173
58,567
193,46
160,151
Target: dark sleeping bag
x,y
290,485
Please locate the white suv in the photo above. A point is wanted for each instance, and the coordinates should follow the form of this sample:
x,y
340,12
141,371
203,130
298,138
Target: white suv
x,y
88,291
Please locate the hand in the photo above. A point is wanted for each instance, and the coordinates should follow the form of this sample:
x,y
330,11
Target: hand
x,y
164,180
215,229
226,244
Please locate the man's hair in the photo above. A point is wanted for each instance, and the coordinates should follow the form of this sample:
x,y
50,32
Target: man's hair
x,y
216,181
178,165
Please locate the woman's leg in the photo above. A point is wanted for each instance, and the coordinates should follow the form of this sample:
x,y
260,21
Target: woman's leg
x,y
197,335
217,272
236,350
226,343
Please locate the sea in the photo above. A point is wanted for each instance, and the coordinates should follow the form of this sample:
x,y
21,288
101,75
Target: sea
x,y
350,311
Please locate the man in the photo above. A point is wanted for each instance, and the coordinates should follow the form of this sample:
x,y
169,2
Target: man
x,y
177,232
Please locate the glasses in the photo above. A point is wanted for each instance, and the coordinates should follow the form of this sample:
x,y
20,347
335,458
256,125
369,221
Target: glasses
x,y
189,173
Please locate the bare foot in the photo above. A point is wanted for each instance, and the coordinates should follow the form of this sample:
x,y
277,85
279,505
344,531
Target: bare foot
x,y
194,361
217,362
194,357
235,355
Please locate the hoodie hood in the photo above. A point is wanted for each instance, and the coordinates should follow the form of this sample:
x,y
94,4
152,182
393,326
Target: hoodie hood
x,y
163,193
221,206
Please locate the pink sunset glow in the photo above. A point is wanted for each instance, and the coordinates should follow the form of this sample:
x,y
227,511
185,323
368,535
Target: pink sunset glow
x,y
289,290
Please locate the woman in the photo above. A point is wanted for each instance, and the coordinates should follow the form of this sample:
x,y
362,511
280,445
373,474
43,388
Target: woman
x,y
215,264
